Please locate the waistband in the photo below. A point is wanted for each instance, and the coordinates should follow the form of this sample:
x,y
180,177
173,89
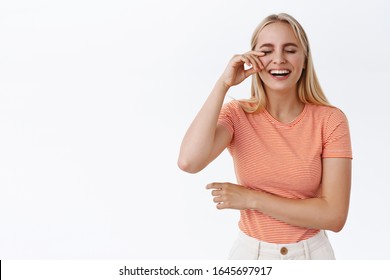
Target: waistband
x,y
290,249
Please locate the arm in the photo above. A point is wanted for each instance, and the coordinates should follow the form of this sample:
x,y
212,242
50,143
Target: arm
x,y
329,211
204,139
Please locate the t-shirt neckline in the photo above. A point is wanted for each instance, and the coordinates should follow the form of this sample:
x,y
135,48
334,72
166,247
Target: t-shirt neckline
x,y
289,124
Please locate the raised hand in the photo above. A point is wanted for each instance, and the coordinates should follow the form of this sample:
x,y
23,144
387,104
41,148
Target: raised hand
x,y
235,71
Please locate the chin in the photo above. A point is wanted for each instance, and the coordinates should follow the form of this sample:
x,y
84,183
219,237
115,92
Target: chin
x,y
280,88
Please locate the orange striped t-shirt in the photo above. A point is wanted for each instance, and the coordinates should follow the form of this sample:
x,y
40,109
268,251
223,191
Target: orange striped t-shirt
x,y
283,159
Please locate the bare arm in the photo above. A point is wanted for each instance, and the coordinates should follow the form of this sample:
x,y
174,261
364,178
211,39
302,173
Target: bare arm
x,y
204,139
329,211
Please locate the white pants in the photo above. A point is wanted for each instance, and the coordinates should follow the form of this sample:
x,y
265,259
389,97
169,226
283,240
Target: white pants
x,y
317,247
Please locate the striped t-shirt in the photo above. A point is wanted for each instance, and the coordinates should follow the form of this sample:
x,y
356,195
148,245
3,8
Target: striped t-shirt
x,y
283,159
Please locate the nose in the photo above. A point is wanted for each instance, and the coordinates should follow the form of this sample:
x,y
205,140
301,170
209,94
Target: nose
x,y
278,57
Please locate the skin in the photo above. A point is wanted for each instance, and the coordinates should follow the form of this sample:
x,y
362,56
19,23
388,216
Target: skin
x,y
276,48
282,51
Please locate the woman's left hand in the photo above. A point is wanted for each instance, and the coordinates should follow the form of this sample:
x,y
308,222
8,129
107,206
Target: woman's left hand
x,y
232,196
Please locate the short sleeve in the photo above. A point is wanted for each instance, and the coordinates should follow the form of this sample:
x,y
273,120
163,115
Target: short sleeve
x,y
226,117
336,136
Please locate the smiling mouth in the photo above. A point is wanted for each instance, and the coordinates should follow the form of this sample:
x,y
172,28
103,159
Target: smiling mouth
x,y
280,73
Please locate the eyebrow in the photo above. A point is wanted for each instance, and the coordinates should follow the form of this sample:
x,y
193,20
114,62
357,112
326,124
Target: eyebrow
x,y
284,45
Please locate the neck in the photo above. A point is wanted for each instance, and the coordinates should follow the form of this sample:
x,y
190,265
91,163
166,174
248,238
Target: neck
x,y
284,106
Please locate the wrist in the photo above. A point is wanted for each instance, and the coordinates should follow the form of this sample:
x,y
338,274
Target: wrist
x,y
254,202
223,85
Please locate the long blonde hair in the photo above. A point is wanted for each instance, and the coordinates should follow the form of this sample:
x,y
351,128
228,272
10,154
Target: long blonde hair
x,y
309,89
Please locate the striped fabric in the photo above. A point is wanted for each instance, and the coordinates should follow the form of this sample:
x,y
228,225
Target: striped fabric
x,y
283,159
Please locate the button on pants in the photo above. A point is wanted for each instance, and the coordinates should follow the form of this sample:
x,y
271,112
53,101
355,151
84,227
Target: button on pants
x,y
317,247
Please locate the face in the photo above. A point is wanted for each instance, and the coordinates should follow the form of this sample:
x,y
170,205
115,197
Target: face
x,y
284,58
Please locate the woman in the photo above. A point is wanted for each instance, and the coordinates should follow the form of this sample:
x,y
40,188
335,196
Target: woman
x,y
291,149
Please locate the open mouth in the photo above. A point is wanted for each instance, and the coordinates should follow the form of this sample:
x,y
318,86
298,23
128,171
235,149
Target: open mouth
x,y
280,73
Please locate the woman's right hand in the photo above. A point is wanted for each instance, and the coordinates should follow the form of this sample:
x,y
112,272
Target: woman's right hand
x,y
235,71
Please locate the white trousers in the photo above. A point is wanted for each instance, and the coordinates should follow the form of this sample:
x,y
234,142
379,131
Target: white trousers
x,y
317,247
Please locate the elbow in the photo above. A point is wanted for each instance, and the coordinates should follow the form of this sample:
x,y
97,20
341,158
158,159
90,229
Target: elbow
x,y
337,223
337,227
188,166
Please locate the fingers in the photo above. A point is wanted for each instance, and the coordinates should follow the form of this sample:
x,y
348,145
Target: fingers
x,y
236,72
231,196
256,56
218,191
252,58
215,186
244,58
221,206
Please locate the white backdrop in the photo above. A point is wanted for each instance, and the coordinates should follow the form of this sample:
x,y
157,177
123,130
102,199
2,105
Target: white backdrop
x,y
95,97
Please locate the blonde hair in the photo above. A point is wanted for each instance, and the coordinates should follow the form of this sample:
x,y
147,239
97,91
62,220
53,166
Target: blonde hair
x,y
309,89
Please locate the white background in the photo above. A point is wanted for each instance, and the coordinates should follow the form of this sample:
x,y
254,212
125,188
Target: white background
x,y
95,97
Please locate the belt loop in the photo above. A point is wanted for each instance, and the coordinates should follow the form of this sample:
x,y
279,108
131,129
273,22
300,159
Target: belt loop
x,y
307,249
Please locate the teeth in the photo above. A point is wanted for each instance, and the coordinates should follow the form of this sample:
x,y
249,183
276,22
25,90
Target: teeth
x,y
280,72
